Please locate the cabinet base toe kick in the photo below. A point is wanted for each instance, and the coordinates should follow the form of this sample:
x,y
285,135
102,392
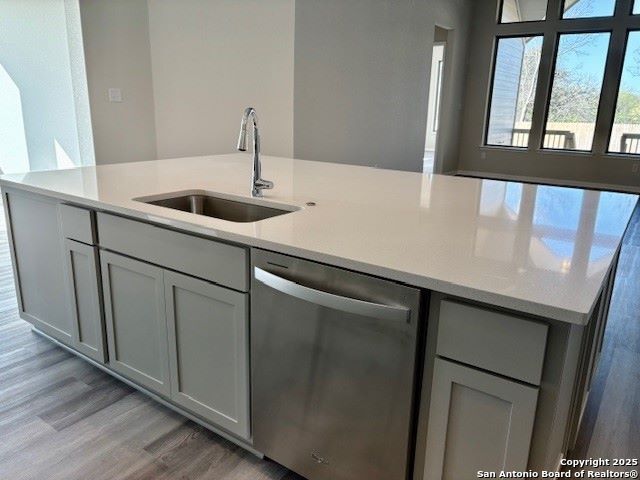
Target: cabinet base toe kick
x,y
161,400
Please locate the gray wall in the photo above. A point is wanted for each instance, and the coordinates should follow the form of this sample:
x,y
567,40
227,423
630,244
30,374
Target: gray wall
x,y
560,167
211,59
455,16
361,81
117,52
334,81
186,71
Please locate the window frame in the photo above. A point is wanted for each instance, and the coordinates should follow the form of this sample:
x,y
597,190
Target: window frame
x,y
618,25
501,9
494,59
608,151
616,5
547,107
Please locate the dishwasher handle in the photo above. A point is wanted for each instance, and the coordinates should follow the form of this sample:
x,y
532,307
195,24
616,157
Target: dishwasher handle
x,y
330,300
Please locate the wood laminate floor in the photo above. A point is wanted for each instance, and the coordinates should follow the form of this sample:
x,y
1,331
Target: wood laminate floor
x,y
611,423
61,418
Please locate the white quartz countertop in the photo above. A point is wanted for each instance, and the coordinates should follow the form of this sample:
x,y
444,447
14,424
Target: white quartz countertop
x,y
537,249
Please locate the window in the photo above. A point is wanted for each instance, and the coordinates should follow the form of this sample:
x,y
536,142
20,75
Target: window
x,y
514,87
625,134
567,55
519,11
588,8
575,94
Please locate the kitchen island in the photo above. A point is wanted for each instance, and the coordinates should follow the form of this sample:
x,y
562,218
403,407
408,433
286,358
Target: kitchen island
x,y
515,279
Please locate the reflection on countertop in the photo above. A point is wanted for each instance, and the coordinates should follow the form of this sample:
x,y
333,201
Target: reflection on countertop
x,y
554,218
538,249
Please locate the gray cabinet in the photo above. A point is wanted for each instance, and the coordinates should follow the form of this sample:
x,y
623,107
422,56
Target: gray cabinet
x,y
477,421
136,321
218,262
84,293
38,260
184,338
208,351
499,342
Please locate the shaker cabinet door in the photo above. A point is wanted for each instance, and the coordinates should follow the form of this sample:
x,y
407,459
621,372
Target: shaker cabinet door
x,y
136,321
477,421
38,259
84,292
208,351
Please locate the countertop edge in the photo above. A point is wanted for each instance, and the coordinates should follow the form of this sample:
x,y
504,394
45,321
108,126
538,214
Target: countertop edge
x,y
504,301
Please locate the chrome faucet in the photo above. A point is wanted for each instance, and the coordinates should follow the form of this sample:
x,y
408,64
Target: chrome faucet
x,y
257,183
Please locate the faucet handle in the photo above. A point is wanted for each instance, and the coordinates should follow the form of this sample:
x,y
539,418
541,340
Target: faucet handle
x,y
259,185
264,184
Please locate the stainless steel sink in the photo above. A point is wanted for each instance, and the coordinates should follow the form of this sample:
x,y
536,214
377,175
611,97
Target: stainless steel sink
x,y
216,207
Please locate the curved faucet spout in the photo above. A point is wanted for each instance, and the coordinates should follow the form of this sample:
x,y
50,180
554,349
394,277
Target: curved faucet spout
x,y
249,112
257,182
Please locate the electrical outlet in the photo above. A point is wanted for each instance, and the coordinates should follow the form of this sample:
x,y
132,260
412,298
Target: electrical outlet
x,y
115,95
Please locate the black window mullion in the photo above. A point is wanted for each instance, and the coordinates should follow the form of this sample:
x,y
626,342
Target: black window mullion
x,y
543,90
612,77
551,28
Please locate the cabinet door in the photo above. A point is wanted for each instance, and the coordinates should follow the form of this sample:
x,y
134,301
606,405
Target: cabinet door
x,y
84,292
477,421
136,321
208,351
38,259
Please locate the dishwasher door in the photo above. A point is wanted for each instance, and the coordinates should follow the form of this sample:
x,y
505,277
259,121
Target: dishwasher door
x,y
333,356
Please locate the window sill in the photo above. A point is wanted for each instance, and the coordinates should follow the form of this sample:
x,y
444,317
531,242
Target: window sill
x,y
568,153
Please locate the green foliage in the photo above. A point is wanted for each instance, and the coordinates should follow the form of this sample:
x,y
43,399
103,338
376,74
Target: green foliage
x,y
628,109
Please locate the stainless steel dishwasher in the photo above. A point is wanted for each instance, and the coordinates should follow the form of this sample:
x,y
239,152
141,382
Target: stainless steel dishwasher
x,y
333,355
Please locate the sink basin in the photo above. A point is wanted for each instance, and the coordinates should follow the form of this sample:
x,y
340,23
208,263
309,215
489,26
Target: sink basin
x,y
217,207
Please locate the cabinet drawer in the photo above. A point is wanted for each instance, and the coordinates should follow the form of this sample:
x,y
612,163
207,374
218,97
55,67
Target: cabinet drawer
x,y
493,341
214,261
77,223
